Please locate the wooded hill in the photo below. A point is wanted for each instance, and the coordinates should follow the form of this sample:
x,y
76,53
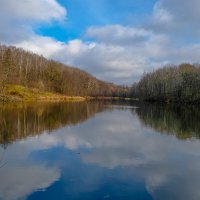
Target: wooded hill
x,y
174,83
21,67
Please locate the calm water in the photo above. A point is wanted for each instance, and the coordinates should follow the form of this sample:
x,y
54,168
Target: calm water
x,y
97,151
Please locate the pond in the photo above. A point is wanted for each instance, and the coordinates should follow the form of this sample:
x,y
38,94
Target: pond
x,y
99,150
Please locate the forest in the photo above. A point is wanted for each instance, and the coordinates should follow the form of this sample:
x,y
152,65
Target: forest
x,y
170,84
21,67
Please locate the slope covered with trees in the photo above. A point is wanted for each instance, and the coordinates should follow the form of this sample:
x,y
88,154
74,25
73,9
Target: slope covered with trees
x,y
28,69
175,83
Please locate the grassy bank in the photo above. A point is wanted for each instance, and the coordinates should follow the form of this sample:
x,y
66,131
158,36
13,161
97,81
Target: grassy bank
x,y
114,98
18,93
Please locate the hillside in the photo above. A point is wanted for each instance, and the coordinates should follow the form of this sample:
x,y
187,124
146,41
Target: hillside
x,y
19,93
172,84
27,69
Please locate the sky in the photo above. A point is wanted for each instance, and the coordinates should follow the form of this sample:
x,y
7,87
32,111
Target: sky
x,y
114,40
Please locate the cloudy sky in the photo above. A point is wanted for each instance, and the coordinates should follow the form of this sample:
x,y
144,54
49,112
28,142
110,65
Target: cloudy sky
x,y
115,40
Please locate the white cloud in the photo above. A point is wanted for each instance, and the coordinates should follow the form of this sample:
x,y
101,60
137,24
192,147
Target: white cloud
x,y
46,46
161,16
182,9
29,10
118,34
119,63
177,17
117,53
19,18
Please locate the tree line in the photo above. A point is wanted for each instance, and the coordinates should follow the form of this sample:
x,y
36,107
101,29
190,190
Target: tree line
x,y
18,66
172,84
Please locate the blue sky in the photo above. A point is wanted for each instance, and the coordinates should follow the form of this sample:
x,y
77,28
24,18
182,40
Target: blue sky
x,y
114,40
82,14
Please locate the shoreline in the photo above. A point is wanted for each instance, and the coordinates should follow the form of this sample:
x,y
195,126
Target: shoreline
x,y
18,93
54,98
57,98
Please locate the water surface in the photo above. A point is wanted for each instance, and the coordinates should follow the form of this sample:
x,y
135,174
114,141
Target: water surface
x,y
99,150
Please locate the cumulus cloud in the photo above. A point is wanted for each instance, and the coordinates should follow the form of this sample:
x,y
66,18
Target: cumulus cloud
x,y
120,60
118,34
20,17
107,62
28,10
176,17
112,52
182,10
46,46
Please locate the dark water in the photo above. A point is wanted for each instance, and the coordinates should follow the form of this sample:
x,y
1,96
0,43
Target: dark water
x,y
99,150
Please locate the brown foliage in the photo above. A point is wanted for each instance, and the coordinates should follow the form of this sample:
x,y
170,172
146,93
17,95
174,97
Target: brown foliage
x,y
28,69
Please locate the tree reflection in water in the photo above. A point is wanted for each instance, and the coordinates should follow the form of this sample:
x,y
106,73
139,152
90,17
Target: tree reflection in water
x,y
181,121
20,121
